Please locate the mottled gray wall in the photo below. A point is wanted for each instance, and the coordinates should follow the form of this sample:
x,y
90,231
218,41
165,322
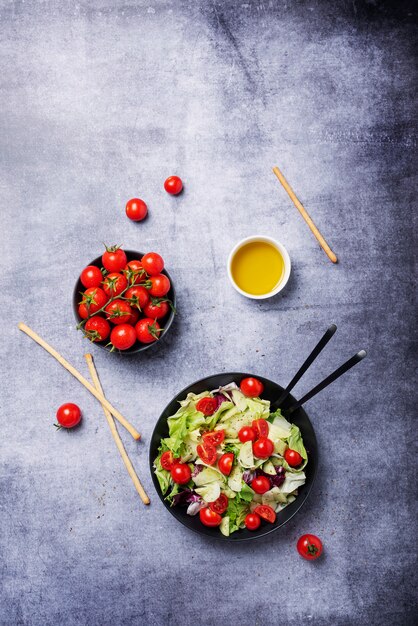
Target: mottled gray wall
x,y
101,101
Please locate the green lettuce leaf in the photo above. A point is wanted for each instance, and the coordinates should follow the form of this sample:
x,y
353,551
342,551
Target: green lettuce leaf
x,y
236,511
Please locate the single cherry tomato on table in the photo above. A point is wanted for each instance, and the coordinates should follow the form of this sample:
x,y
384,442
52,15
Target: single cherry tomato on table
x,y
157,308
292,457
209,517
114,284
114,259
123,336
147,330
251,387
91,276
68,415
167,460
261,484
220,505
213,438
118,312
207,453
97,328
266,513
225,463
134,272
207,405
173,185
246,433
261,428
160,285
93,299
138,297
180,473
309,547
252,521
136,209
263,448
153,263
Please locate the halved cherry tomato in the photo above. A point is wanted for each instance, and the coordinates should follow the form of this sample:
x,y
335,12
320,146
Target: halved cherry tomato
x,y
251,387
153,263
263,448
114,284
261,484
261,427
138,296
214,438
246,433
292,457
266,513
209,517
309,546
173,185
134,272
136,209
220,505
225,463
91,276
207,453
167,460
180,473
207,405
114,259
252,521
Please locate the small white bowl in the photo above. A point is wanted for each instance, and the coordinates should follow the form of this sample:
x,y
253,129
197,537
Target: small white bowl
x,y
287,266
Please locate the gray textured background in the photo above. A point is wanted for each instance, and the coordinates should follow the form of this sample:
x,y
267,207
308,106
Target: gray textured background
x,y
101,101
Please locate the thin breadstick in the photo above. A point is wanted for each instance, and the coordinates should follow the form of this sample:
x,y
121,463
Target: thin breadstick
x,y
115,434
330,254
135,434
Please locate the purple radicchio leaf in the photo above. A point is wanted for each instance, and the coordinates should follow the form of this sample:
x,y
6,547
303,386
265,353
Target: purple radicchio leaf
x,y
275,480
194,507
197,469
220,398
187,496
248,476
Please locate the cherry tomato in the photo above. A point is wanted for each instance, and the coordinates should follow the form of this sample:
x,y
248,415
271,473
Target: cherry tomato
x,y
252,521
207,405
173,185
114,259
220,505
91,276
134,272
118,312
266,513
153,263
292,457
138,296
309,546
225,463
93,299
261,428
207,453
160,285
134,317
147,330
136,209
263,448
214,438
261,484
251,387
68,415
156,309
180,473
209,517
246,433
114,284
123,336
167,460
97,328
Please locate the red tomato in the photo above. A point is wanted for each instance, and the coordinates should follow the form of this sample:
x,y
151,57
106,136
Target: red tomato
x,y
167,460
114,259
156,309
292,457
263,448
134,272
153,263
266,513
246,433
180,473
209,517
173,185
207,453
68,415
214,438
225,463
97,328
160,285
134,317
147,330
261,484
251,387
207,405
136,209
93,299
309,546
114,284
138,297
123,336
118,312
91,276
220,505
252,521
261,428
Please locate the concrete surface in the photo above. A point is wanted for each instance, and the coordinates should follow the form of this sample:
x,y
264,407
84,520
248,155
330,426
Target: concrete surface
x,y
101,101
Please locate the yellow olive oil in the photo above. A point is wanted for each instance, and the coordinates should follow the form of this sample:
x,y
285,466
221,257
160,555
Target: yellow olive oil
x,y
257,267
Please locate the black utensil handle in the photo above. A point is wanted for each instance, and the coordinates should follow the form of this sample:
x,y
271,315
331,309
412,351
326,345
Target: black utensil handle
x,y
311,358
330,379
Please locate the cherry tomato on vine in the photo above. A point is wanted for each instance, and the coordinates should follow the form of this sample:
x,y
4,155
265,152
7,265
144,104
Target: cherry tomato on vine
x,y
97,328
225,463
123,336
180,473
292,457
261,484
309,547
114,259
207,405
138,296
118,312
266,513
147,330
153,263
91,276
261,428
134,272
93,299
160,285
209,517
173,185
68,415
246,433
167,460
134,317
207,453
263,448
251,387
252,521
220,505
214,438
114,284
156,309
136,209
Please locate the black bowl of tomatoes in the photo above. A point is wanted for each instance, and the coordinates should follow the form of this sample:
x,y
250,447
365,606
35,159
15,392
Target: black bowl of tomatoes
x,y
124,300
